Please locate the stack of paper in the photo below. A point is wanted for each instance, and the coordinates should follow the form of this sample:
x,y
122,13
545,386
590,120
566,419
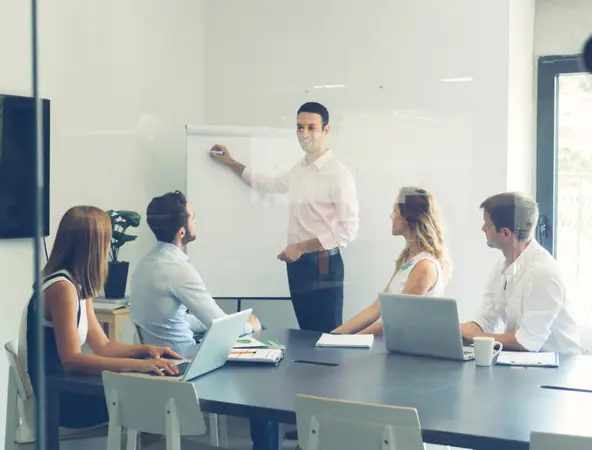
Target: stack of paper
x,y
260,356
346,340
542,359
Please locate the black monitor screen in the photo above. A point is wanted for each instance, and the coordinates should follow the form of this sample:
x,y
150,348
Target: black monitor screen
x,y
17,167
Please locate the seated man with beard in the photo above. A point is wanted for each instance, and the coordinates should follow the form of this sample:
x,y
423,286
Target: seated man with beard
x,y
168,297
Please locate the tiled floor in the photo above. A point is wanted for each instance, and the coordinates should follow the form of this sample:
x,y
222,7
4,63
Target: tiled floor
x,y
238,437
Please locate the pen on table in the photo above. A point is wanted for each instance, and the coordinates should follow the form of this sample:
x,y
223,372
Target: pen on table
x,y
561,388
319,363
243,353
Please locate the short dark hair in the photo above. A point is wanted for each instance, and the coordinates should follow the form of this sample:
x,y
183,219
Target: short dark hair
x,y
315,108
166,214
515,211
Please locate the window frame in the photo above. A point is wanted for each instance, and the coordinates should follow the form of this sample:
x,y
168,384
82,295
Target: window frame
x,y
549,69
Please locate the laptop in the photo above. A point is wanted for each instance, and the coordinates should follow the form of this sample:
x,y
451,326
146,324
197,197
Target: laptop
x,y
216,345
426,326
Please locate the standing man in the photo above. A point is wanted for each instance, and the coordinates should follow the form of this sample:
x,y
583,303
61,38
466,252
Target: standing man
x,y
323,219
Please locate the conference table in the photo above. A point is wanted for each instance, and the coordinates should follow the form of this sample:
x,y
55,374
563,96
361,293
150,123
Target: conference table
x,y
458,403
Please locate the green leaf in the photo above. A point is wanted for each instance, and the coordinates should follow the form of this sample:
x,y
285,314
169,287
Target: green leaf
x,y
121,220
131,218
119,239
112,214
119,236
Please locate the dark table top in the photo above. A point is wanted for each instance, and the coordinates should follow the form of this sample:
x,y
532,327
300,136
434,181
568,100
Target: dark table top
x,y
458,403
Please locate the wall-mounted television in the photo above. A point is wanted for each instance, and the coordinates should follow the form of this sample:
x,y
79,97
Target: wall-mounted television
x,y
17,166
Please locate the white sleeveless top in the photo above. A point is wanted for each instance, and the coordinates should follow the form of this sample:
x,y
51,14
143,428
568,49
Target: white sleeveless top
x,y
26,406
397,284
62,275
83,319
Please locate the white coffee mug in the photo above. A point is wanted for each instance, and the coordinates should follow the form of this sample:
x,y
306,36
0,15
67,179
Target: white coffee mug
x,y
484,350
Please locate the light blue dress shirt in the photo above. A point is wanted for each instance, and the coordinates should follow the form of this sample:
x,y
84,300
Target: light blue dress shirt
x,y
166,291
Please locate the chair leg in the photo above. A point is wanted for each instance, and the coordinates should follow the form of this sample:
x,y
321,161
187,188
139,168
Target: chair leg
x,y
114,437
214,431
132,439
12,416
172,427
114,433
223,431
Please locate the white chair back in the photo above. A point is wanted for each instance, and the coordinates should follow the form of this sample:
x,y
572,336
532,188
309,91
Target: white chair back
x,y
551,441
218,424
20,406
328,424
24,388
586,339
157,405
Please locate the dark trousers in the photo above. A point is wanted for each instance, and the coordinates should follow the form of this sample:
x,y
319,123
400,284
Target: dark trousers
x,y
263,434
316,288
81,410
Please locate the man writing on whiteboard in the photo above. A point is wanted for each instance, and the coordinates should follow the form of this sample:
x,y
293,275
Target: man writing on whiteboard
x,y
323,218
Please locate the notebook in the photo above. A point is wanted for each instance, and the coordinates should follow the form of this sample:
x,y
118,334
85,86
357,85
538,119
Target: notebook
x,y
528,359
345,340
271,356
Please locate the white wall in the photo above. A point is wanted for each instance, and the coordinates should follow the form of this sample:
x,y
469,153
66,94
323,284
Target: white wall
x,y
451,137
521,131
124,79
562,26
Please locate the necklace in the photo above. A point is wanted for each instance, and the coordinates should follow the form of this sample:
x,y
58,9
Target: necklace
x,y
407,264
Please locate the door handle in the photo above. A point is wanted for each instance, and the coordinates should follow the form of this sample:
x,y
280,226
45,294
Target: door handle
x,y
542,231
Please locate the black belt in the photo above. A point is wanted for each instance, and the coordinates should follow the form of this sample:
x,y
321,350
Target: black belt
x,y
331,252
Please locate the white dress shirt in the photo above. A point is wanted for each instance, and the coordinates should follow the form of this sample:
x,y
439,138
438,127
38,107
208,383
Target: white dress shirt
x,y
323,200
528,297
164,287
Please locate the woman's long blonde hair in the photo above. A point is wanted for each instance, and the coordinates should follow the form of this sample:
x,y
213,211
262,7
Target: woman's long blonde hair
x,y
81,246
421,212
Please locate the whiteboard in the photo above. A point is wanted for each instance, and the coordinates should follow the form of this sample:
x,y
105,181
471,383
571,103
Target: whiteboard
x,y
239,231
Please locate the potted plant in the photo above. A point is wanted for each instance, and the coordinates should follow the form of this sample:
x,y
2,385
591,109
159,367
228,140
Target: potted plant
x,y
118,270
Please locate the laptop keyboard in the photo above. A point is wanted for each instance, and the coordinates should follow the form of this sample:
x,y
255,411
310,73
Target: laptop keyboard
x,y
182,368
468,352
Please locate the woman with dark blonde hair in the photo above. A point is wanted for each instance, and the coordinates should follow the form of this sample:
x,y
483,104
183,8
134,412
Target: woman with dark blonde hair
x,y
74,274
423,266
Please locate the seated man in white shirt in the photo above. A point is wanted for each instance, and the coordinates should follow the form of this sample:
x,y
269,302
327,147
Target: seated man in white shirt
x,y
525,292
169,300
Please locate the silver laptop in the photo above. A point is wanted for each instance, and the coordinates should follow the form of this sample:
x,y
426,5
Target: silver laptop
x,y
427,326
215,346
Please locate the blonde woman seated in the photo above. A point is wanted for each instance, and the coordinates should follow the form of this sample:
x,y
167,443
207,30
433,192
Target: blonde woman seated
x,y
422,268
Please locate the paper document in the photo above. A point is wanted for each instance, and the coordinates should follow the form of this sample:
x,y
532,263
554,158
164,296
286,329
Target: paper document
x,y
251,342
262,356
108,306
542,359
346,340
